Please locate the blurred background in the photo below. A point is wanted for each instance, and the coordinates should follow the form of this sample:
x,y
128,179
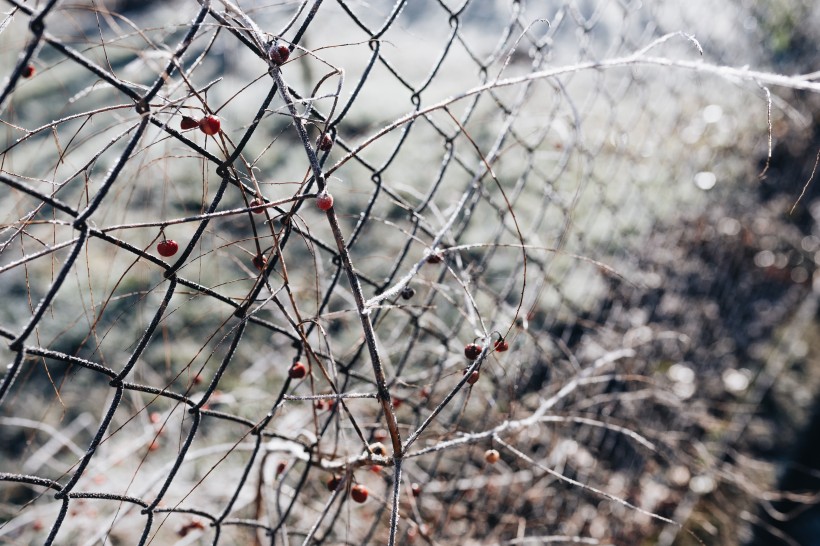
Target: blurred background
x,y
642,235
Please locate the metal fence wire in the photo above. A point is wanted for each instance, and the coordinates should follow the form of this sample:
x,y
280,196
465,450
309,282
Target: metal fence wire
x,y
393,272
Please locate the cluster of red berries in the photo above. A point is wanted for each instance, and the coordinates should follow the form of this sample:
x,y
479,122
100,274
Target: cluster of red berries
x,y
473,351
210,125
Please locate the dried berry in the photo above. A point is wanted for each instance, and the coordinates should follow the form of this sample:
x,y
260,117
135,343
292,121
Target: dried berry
x,y
255,203
492,456
325,143
501,345
407,293
297,371
378,448
281,467
473,376
279,53
194,524
188,123
416,489
333,483
28,71
472,351
434,259
259,262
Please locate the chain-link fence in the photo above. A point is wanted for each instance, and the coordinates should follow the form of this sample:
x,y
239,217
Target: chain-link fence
x,y
420,271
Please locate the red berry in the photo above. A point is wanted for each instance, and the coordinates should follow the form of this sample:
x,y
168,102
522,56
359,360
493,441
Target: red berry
x,y
155,417
167,248
153,446
188,123
28,71
472,351
281,467
324,201
325,143
501,345
279,53
380,435
195,523
358,493
473,376
492,456
333,483
376,468
297,371
397,402
259,262
255,203
320,405
416,489
210,125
